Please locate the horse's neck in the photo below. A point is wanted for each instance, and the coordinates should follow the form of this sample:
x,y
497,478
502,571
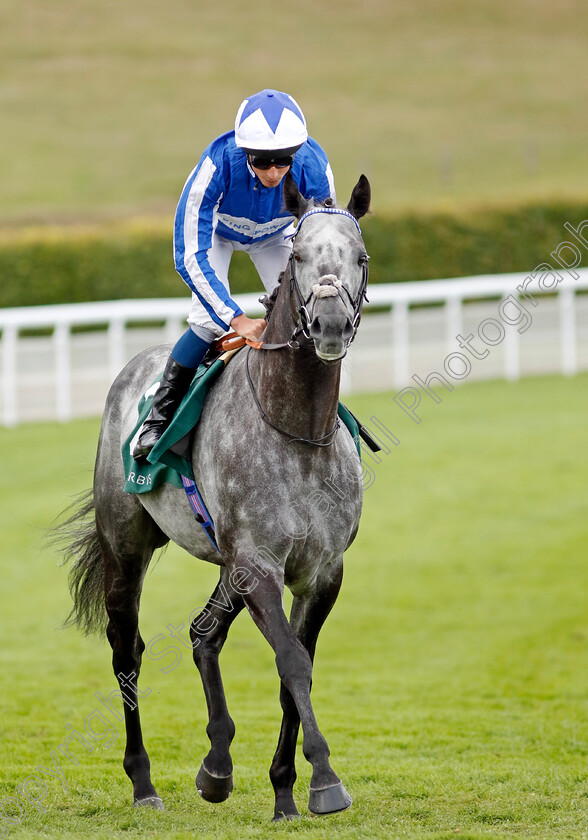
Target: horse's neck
x,y
298,392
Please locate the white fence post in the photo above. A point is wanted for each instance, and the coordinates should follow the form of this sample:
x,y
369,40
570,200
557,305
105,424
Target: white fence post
x,y
512,360
173,330
9,375
61,340
400,342
453,307
116,347
567,312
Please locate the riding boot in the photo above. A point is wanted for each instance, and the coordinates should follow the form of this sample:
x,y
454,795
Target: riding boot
x,y
173,387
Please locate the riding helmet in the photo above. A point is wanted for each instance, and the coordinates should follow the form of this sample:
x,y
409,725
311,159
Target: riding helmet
x,y
268,122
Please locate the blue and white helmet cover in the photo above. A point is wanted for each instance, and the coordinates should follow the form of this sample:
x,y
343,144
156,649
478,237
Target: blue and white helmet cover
x,y
270,121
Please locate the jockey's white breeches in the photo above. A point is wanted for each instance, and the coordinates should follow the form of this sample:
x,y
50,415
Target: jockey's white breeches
x,y
270,257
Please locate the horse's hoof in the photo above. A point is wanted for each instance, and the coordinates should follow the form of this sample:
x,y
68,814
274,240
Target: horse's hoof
x,y
329,800
149,802
282,815
213,788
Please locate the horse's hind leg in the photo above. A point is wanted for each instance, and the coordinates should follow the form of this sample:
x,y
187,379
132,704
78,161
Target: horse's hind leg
x,y
307,616
208,632
128,537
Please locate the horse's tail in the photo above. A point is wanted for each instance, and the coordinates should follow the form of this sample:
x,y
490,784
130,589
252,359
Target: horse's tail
x,y
80,544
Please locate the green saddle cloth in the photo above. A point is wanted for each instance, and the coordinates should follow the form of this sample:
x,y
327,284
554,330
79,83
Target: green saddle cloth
x,y
169,458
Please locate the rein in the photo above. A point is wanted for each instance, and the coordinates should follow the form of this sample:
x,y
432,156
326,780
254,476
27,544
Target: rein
x,y
322,441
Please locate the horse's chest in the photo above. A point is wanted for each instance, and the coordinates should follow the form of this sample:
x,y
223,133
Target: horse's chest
x,y
316,514
265,491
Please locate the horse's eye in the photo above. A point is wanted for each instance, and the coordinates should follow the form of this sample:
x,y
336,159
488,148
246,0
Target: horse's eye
x,y
363,259
297,256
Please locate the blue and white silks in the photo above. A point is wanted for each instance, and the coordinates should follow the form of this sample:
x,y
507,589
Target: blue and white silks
x,y
223,197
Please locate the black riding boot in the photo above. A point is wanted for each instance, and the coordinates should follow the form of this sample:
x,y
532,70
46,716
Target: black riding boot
x,y
173,387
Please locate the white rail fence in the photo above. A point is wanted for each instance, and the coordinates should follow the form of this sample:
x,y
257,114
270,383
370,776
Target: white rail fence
x,y
418,328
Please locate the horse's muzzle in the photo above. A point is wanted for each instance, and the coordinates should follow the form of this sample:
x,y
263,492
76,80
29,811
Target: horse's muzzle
x,y
332,333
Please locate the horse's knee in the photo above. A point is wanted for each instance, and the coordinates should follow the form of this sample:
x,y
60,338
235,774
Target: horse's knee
x,y
294,665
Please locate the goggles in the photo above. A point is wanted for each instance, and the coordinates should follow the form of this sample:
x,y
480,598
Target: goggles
x,y
266,163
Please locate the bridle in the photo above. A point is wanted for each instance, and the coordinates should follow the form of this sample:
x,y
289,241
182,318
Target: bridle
x,y
303,317
333,288
329,287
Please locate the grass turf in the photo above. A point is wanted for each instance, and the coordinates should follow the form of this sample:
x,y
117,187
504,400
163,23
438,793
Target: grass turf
x,y
450,678
106,107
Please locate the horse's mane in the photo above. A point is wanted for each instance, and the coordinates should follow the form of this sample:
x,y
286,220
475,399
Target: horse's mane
x,y
269,301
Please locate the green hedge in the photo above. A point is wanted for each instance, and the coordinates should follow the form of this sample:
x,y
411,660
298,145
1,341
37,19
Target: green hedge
x,y
44,266
491,241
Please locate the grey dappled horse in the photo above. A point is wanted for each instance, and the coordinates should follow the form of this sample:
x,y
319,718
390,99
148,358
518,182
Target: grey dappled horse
x,y
284,486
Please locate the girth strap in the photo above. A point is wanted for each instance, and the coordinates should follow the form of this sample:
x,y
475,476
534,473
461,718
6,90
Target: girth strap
x,y
201,513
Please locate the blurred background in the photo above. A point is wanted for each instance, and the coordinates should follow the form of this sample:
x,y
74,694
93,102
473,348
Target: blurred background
x,y
450,678
469,117
105,107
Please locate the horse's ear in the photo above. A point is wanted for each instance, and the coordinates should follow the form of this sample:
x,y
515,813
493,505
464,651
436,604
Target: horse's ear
x,y
293,200
359,203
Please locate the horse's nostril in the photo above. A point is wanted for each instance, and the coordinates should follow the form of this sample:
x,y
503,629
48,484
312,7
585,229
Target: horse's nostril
x,y
315,328
348,331
331,328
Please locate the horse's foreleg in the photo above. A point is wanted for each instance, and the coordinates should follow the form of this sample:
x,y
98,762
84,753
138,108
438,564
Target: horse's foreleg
x,y
307,616
294,666
283,769
208,632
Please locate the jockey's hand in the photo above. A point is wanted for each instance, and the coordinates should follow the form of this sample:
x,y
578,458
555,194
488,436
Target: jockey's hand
x,y
248,327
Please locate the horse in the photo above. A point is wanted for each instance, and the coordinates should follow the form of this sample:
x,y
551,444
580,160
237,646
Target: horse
x,y
282,481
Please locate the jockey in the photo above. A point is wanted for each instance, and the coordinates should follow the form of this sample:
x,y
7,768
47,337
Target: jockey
x,y
231,201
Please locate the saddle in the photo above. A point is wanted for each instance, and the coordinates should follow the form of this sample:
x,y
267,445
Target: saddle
x,y
170,457
169,460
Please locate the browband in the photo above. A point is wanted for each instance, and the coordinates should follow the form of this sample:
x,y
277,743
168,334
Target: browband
x,y
333,210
